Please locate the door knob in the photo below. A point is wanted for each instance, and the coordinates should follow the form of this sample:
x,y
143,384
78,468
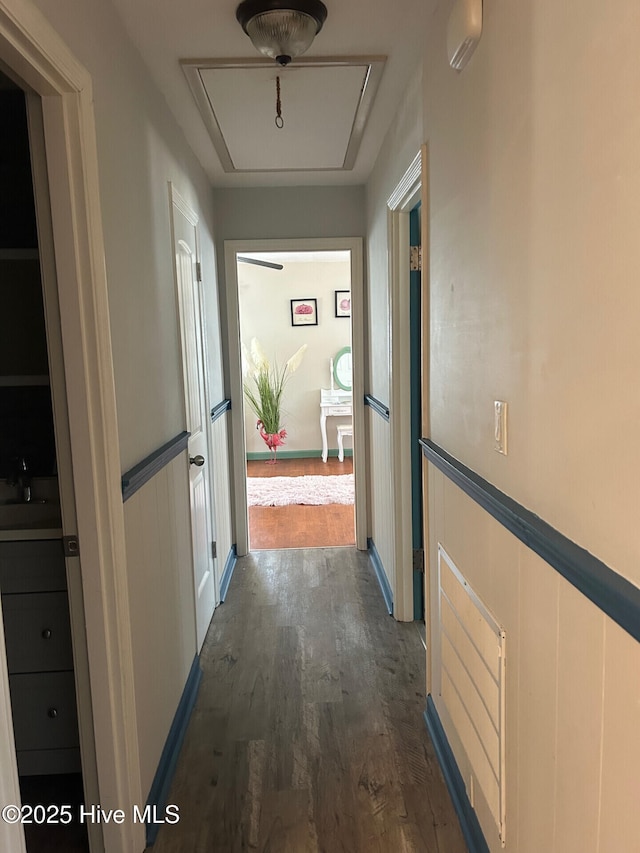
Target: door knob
x,y
196,460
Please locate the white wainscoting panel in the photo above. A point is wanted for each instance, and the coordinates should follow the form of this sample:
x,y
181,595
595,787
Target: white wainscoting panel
x,y
381,492
472,686
221,492
163,630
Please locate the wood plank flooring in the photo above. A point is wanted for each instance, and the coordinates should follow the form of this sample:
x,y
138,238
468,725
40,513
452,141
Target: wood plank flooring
x,y
307,735
277,527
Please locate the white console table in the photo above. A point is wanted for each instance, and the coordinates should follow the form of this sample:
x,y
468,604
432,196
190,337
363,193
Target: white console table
x,y
332,404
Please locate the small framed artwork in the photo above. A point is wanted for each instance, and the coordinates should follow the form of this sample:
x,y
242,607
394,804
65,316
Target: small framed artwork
x,y
304,312
343,303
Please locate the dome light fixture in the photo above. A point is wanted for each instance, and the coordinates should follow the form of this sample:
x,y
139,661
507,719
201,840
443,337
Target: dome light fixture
x,y
281,29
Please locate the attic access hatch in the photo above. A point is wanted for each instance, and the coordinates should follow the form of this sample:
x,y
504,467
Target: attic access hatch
x,y
325,106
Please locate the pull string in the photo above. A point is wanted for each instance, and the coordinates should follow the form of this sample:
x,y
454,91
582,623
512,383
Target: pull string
x,y
278,120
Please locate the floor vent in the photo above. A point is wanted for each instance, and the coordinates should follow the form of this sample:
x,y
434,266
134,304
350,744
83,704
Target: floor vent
x,y
473,684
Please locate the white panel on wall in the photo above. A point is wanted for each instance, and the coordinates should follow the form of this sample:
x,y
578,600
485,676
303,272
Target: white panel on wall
x,y
473,683
381,492
221,490
158,541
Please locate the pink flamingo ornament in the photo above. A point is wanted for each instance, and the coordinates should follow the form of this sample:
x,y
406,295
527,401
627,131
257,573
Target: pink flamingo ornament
x,y
273,440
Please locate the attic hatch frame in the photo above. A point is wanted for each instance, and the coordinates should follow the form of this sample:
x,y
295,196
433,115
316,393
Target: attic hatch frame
x,y
33,54
374,68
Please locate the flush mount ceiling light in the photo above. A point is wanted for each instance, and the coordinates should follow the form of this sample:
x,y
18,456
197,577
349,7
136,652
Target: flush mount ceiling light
x,y
281,29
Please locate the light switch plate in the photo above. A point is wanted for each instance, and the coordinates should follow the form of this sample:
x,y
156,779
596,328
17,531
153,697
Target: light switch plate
x,y
500,426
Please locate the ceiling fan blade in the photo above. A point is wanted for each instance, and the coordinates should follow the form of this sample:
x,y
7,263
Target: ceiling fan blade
x,y
243,260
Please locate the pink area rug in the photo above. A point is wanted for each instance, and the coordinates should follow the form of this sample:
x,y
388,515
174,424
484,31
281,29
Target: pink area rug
x,y
312,490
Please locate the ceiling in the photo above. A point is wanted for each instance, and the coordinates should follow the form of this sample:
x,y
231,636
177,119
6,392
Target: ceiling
x,y
320,99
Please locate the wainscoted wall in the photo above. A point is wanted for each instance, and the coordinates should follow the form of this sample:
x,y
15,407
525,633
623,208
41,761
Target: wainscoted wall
x,y
379,462
572,690
158,542
219,448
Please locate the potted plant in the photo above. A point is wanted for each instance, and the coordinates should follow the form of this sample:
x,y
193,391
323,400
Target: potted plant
x,y
263,386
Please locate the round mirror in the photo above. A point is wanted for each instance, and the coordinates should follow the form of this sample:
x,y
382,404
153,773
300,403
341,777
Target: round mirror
x,y
342,368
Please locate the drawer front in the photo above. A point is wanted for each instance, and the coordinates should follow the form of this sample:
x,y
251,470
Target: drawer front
x,y
339,410
43,762
44,710
35,566
37,632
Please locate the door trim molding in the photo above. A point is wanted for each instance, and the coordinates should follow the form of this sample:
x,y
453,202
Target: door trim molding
x,y
238,440
404,197
32,50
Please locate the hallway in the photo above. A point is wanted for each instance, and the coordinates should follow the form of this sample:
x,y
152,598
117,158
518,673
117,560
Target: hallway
x,y
307,734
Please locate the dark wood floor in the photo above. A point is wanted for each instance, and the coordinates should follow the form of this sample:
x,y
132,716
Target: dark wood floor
x,y
307,735
277,527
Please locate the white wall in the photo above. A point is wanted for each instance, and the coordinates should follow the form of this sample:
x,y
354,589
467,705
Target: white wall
x,y
287,213
534,183
397,152
140,150
265,313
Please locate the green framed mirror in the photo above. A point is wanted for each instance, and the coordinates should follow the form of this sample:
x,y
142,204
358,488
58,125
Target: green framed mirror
x,y
342,369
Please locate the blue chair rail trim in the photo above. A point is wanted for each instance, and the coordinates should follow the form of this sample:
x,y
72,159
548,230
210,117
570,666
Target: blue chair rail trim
x,y
136,477
378,568
219,409
229,566
608,590
161,784
466,815
377,406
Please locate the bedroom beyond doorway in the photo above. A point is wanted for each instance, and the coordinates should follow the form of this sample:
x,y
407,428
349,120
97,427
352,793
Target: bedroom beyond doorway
x,y
301,525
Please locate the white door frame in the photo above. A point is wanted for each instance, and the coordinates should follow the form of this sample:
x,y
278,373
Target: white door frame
x,y
404,198
239,454
33,52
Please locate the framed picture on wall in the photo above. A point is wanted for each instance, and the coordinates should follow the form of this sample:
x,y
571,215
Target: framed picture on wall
x,y
343,303
304,312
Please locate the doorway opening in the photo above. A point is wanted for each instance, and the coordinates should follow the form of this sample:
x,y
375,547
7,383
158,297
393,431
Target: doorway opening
x,y
296,345
303,311
42,654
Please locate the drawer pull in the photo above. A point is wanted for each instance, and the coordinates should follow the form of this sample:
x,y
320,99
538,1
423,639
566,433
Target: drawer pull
x,y
52,713
47,634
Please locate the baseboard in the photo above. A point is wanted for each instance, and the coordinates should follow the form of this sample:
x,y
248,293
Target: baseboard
x,y
469,824
257,455
157,799
229,566
376,562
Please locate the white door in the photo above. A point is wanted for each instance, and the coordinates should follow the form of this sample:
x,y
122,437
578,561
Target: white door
x,y
197,416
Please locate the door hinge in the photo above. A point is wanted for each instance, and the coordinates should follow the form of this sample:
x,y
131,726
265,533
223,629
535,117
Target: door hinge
x,y
418,560
71,546
415,258
198,270
214,550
